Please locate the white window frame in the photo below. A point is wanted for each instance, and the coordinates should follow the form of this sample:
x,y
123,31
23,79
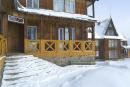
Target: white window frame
x,y
32,27
32,4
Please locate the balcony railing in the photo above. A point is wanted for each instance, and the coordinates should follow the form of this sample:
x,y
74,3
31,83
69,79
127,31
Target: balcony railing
x,y
60,48
2,45
2,52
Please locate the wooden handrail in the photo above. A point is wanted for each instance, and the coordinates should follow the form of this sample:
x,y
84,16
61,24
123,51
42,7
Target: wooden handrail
x,y
2,45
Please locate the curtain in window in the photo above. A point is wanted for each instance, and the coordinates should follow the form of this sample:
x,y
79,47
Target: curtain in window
x,y
58,5
70,6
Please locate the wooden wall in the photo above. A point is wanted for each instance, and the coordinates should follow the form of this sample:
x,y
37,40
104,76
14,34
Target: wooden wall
x,y
50,25
48,4
104,49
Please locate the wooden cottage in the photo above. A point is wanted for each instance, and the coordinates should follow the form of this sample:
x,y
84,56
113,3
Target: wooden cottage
x,y
108,40
49,28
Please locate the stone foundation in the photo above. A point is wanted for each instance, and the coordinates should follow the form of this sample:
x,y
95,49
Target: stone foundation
x,y
72,61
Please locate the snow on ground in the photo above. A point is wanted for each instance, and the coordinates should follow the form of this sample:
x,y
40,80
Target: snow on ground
x,y
29,71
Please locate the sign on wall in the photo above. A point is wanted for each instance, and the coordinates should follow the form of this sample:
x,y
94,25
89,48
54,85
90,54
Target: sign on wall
x,y
16,19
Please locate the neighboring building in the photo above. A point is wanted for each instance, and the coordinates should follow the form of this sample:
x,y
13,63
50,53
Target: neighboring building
x,y
49,28
109,41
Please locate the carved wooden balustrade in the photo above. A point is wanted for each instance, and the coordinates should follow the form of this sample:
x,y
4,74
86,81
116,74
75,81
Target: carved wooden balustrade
x,y
60,48
3,46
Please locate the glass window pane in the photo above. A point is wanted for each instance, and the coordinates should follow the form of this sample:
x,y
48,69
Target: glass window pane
x,y
73,33
58,5
66,34
35,3
32,32
70,6
29,3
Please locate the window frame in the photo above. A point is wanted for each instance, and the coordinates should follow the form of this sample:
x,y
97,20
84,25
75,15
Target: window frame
x,y
32,4
30,37
65,6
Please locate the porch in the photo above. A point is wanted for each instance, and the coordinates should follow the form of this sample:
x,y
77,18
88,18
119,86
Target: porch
x,y
58,37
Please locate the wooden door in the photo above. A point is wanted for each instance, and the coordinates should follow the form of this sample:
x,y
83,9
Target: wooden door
x,y
15,38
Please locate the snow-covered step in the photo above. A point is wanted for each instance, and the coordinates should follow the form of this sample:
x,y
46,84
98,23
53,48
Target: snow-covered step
x,y
21,69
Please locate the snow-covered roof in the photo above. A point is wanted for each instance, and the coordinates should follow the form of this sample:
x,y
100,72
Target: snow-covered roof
x,y
54,13
127,47
123,38
101,28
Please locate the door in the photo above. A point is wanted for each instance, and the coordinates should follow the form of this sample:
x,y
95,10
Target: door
x,y
63,34
15,41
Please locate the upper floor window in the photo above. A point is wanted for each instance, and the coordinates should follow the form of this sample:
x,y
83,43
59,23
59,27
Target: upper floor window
x,y
58,5
110,32
64,5
70,6
32,3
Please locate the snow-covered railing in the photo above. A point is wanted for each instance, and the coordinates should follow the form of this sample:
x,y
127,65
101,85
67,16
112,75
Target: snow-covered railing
x,y
46,12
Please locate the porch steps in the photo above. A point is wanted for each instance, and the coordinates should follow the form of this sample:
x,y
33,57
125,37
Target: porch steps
x,y
12,70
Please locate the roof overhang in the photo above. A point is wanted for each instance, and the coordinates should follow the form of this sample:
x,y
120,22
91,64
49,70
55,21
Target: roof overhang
x,y
46,12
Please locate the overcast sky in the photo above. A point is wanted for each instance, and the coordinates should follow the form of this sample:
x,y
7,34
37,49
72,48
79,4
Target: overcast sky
x,y
119,10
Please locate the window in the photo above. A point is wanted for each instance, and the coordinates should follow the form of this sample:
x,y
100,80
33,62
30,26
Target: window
x,y
113,43
61,33
64,33
73,33
58,5
89,31
32,3
113,54
64,5
32,32
97,53
70,6
110,32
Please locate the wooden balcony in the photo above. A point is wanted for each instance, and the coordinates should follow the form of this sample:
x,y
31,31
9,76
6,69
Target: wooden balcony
x,y
60,48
